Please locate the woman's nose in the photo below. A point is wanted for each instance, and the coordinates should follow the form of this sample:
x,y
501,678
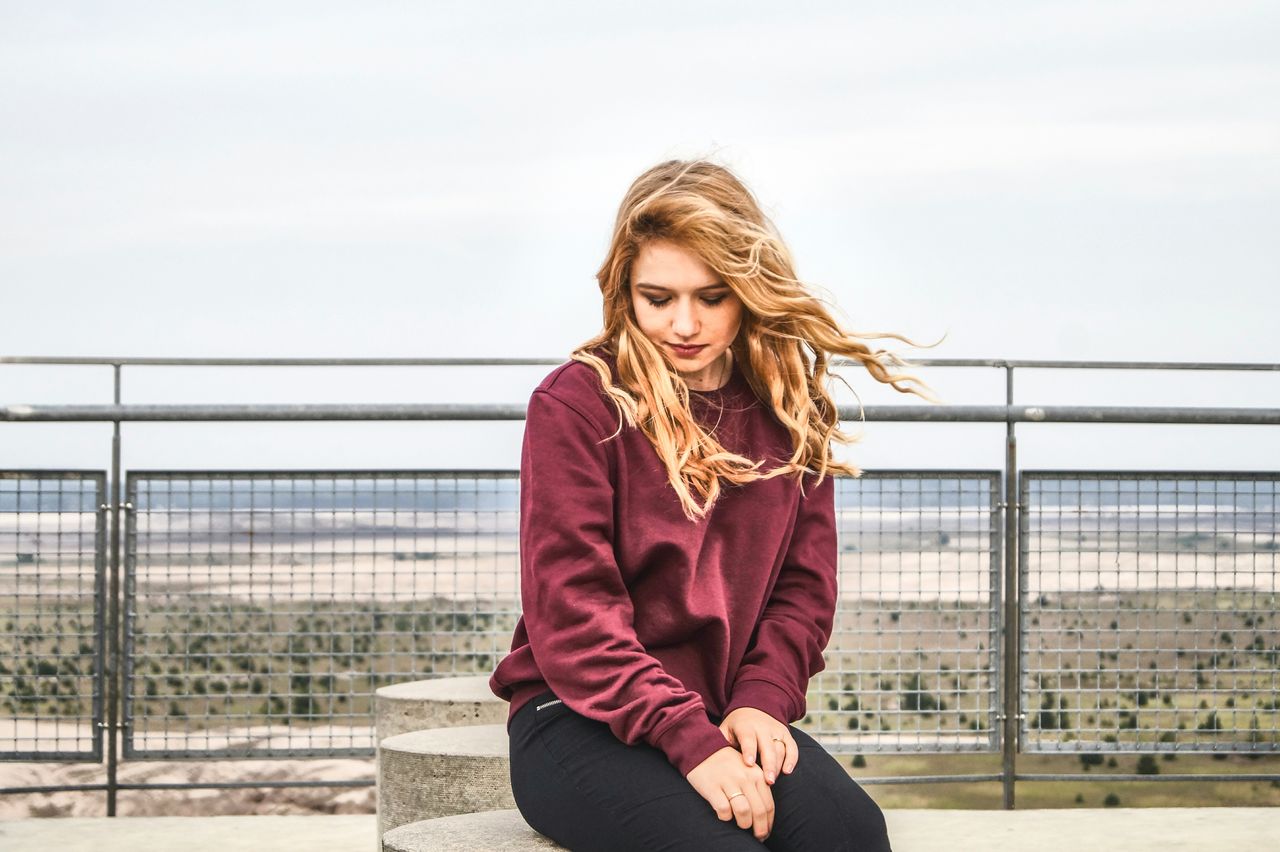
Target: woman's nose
x,y
685,321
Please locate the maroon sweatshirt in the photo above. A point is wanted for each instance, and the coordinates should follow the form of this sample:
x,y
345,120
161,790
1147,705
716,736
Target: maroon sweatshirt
x,y
636,616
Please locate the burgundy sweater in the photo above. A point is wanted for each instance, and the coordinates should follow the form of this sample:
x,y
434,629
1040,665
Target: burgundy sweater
x,y
646,621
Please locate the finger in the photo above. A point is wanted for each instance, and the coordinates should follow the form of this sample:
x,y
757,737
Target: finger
x,y
766,795
742,808
793,755
784,751
724,809
770,762
761,812
749,750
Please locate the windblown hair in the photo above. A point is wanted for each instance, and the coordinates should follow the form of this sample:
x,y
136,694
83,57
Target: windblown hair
x,y
783,346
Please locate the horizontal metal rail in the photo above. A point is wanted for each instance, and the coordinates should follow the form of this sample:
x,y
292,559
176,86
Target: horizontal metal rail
x,y
1015,363
508,411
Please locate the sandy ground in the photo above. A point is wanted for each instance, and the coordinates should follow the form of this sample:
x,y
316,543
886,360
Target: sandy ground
x,y
203,802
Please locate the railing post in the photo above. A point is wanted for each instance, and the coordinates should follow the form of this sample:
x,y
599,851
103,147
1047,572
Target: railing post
x,y
1011,636
113,617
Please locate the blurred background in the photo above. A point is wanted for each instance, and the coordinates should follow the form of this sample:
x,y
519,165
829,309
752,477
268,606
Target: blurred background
x,y
1028,179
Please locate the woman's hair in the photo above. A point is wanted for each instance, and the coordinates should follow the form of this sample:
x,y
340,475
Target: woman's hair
x,y
783,345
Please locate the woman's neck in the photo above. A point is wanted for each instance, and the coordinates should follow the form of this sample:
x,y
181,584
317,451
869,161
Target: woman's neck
x,y
724,374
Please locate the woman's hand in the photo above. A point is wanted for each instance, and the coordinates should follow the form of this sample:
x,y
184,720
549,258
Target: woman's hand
x,y
725,773
754,732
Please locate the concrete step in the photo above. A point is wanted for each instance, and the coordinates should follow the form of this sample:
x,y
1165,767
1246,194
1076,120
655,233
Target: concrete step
x,y
442,702
441,772
433,703
495,831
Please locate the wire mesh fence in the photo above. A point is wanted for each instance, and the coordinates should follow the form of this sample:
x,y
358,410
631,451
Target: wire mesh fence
x,y
265,608
262,609
52,572
1149,611
913,662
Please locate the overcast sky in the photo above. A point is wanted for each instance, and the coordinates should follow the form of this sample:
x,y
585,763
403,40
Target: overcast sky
x,y
1030,179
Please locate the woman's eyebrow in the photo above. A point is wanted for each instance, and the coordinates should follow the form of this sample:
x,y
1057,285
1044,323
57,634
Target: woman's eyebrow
x,y
718,285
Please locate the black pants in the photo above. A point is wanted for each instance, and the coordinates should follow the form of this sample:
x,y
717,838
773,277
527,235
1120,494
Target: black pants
x,y
578,784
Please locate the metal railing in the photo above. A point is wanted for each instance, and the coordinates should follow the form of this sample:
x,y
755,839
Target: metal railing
x,y
254,613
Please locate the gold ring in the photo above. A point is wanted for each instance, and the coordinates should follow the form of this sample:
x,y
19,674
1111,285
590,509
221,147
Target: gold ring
x,y
737,794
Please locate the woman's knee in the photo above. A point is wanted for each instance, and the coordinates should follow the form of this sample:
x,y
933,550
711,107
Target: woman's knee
x,y
821,806
685,822
868,823
578,784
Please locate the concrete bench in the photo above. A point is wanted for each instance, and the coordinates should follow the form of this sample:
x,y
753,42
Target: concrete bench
x,y
498,831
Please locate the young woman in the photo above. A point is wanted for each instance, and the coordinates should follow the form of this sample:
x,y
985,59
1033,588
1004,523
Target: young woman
x,y
678,546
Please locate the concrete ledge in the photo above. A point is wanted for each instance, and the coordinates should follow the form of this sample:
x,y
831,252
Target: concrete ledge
x,y
442,771
282,833
493,831
1077,829
1061,830
914,830
443,702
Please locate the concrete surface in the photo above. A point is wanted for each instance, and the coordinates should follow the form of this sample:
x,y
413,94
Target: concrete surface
x,y
1129,829
1065,830
443,702
495,831
191,834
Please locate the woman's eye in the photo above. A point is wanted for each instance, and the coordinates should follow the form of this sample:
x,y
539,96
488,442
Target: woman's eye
x,y
658,303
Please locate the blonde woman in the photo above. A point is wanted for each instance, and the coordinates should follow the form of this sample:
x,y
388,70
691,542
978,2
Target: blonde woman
x,y
678,546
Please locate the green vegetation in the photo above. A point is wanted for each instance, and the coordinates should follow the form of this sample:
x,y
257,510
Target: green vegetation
x,y
1150,793
290,663
1132,669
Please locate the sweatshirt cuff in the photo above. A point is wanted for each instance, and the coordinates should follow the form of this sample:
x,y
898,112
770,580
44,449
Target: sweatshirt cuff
x,y
690,741
762,695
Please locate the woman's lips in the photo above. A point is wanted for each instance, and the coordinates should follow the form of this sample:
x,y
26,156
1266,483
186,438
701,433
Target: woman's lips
x,y
687,351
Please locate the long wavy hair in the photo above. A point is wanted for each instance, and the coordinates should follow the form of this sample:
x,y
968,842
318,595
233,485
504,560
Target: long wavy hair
x,y
784,344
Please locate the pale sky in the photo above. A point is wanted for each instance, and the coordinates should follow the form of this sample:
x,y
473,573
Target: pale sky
x,y
1031,179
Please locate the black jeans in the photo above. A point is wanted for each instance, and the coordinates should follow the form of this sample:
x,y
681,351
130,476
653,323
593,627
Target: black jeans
x,y
578,784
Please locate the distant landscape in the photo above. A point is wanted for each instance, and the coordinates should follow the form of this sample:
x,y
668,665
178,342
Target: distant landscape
x,y
264,632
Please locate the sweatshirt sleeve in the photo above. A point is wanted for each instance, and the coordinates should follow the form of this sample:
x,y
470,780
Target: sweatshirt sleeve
x,y
577,609
787,645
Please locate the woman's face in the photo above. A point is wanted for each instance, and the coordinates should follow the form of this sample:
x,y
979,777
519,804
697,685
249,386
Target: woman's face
x,y
678,300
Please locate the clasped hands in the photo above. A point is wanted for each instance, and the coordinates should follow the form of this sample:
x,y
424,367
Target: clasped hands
x,y
735,780
756,734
